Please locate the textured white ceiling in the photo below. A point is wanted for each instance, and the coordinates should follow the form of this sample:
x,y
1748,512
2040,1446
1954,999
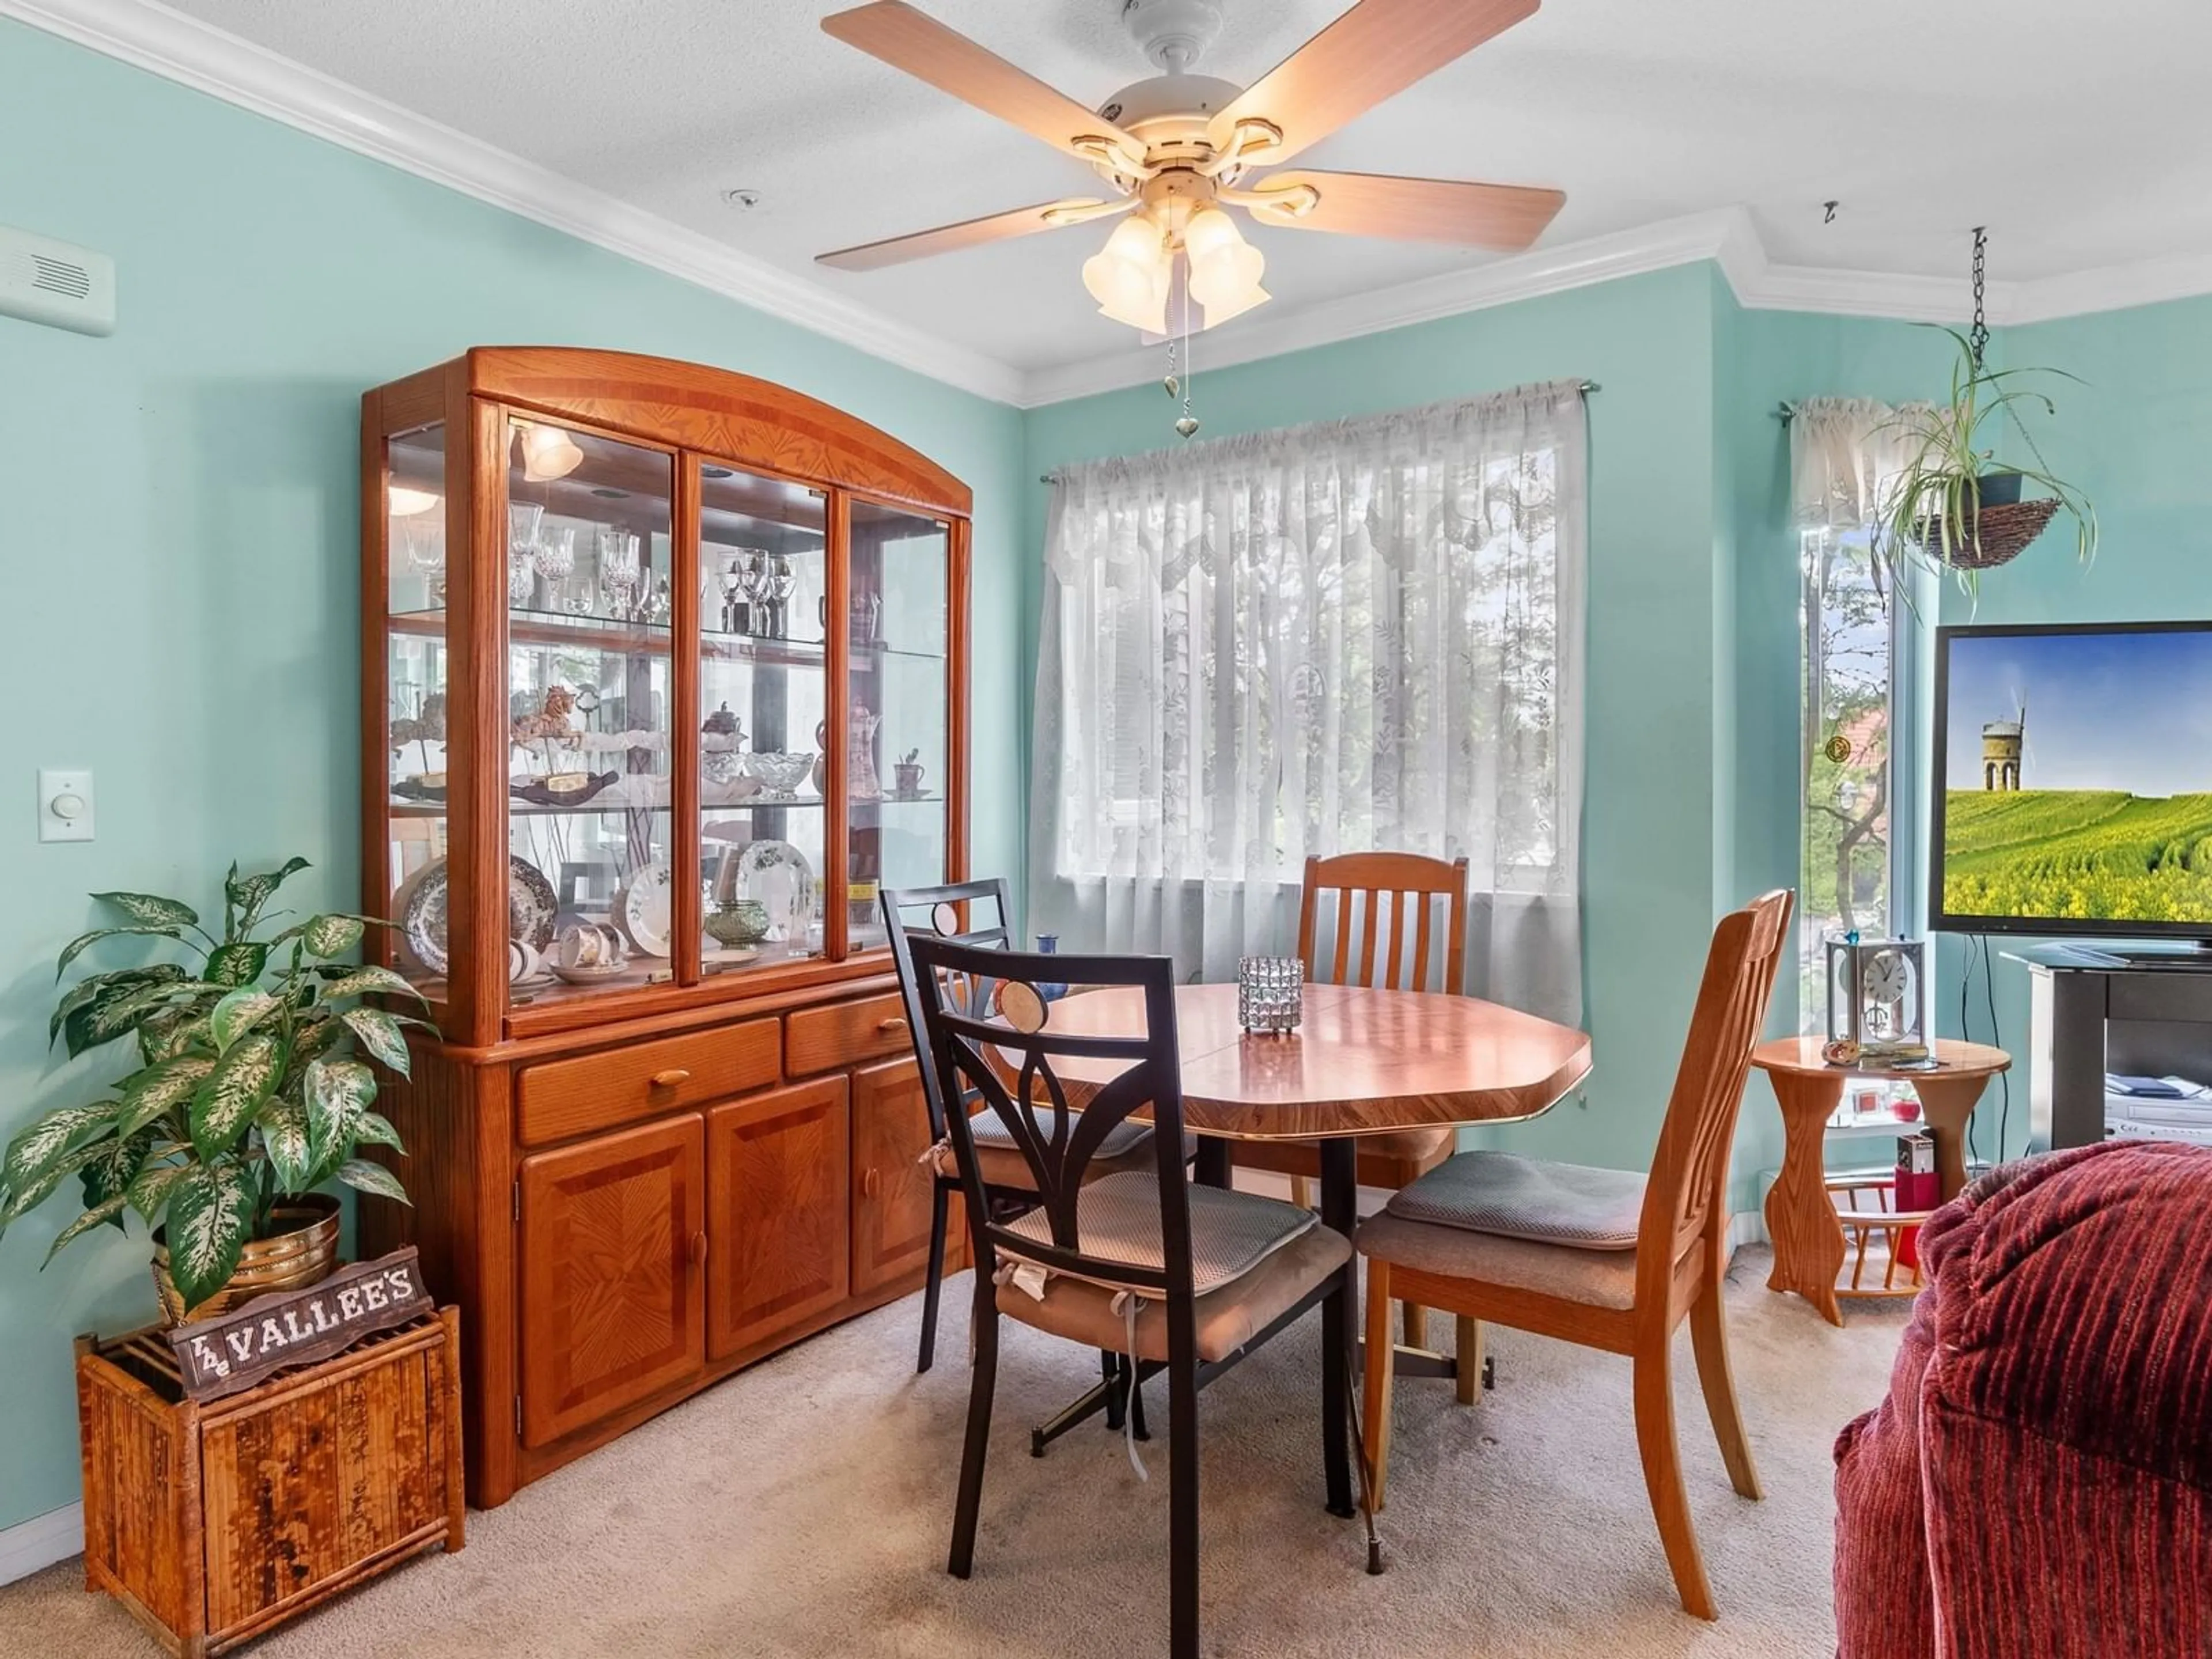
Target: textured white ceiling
x,y
2076,129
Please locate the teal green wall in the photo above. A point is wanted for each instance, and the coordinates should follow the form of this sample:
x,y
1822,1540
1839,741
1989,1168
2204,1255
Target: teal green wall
x,y
1657,559
2136,436
179,545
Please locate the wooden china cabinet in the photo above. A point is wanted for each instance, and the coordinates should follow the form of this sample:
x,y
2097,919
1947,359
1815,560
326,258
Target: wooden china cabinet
x,y
663,670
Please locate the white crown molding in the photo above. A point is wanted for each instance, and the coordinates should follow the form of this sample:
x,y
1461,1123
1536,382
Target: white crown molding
x,y
187,50
2112,288
29,1545
182,49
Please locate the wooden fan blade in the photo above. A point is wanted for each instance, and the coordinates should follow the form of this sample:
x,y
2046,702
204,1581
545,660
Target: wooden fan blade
x,y
1505,216
913,41
1378,49
970,232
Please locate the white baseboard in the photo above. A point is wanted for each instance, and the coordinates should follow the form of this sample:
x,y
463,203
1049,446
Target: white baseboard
x,y
41,1542
1747,1227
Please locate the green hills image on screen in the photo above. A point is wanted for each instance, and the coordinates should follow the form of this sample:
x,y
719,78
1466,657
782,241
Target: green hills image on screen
x,y
2080,855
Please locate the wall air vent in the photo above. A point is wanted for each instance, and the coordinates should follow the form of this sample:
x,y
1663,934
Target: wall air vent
x,y
42,280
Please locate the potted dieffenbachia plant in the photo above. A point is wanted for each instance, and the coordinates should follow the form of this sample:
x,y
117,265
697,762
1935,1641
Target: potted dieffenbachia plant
x,y
254,1088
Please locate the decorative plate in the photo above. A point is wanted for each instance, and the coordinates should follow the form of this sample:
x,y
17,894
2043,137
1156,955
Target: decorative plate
x,y
531,906
643,908
777,874
529,910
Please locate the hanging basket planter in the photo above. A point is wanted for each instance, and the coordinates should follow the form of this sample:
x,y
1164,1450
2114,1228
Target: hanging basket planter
x,y
1999,533
1952,505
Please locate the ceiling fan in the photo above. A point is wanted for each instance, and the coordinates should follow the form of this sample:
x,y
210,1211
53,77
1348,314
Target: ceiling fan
x,y
1178,148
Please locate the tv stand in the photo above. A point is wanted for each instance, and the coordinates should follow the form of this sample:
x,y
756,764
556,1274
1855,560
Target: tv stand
x,y
2142,1010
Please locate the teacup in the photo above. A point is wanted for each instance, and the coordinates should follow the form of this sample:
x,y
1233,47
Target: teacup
x,y
523,962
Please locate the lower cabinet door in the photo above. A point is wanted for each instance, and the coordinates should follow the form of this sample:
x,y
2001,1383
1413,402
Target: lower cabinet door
x,y
892,1187
778,1213
613,1241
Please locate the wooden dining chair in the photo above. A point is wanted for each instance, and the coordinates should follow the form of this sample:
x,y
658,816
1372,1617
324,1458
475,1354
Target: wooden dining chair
x,y
1180,1278
1606,1258
1396,957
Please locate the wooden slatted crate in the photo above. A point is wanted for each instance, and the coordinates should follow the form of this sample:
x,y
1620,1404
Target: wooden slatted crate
x,y
215,1523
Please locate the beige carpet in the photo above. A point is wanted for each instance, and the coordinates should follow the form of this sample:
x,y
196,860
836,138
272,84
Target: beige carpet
x,y
803,1507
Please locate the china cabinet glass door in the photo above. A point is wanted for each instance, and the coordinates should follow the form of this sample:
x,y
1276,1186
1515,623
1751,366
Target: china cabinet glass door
x,y
897,755
763,579
417,662
589,701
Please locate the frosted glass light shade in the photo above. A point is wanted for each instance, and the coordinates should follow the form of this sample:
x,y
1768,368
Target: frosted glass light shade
x,y
1128,277
548,452
1224,268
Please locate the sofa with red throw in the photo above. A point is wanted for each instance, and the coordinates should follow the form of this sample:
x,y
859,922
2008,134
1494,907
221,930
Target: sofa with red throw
x,y
2038,1483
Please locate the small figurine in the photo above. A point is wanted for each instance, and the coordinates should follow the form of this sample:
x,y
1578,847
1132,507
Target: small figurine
x,y
429,727
550,722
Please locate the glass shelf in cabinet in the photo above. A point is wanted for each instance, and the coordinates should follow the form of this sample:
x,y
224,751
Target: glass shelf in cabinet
x,y
554,627
806,653
719,646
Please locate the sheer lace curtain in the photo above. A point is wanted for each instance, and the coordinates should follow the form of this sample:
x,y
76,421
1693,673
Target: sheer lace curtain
x,y
1844,455
1361,634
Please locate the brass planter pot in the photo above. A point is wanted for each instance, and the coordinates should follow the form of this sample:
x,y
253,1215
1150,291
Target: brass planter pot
x,y
306,1254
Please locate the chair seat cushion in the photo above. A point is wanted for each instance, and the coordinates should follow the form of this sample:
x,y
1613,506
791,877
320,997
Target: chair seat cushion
x,y
1118,1220
1525,1198
1594,1279
1227,1317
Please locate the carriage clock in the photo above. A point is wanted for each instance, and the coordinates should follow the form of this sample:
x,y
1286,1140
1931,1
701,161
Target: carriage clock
x,y
1878,998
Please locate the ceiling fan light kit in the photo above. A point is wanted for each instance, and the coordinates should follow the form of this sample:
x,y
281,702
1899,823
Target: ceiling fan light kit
x,y
1178,148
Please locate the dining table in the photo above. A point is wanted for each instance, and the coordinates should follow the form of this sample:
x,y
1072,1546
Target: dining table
x,y
1362,1060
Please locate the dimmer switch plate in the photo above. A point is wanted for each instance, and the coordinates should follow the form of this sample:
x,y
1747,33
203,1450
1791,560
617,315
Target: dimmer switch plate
x,y
64,806
44,280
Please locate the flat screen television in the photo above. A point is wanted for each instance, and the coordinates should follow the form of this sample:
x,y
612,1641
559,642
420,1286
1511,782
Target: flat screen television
x,y
2073,781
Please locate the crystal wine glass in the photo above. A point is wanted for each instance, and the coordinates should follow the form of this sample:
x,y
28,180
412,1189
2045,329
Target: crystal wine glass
x,y
524,521
782,578
618,571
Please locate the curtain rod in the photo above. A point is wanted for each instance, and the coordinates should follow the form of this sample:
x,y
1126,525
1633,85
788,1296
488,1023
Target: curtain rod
x,y
1785,413
1585,387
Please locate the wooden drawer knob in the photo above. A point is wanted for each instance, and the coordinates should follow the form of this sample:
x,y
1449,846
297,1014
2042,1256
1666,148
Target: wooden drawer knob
x,y
896,1023
674,1077
698,1249
872,1184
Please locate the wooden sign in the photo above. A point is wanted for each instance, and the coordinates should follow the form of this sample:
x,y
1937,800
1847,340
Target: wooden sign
x,y
222,1356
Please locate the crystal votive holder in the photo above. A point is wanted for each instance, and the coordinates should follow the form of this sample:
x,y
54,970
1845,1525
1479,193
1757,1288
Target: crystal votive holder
x,y
1270,993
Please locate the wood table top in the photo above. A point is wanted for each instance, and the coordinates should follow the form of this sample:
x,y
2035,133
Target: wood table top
x,y
1363,1061
1801,1055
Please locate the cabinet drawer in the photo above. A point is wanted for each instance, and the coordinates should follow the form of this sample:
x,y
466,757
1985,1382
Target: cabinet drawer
x,y
559,1098
822,1039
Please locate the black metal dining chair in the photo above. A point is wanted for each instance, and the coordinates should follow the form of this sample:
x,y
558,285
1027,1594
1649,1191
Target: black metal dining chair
x,y
951,911
1179,1277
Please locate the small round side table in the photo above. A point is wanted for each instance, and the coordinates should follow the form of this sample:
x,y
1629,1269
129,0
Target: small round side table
x,y
1809,1246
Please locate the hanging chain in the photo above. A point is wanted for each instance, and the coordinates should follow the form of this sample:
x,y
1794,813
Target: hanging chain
x,y
1978,338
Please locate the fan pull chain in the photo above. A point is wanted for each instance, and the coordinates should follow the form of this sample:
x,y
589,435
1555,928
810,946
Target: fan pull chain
x,y
1186,424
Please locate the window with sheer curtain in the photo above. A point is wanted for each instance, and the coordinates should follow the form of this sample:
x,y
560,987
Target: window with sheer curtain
x,y
1857,686
1361,634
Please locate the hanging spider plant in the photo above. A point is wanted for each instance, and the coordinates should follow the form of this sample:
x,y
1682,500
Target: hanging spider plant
x,y
1953,507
